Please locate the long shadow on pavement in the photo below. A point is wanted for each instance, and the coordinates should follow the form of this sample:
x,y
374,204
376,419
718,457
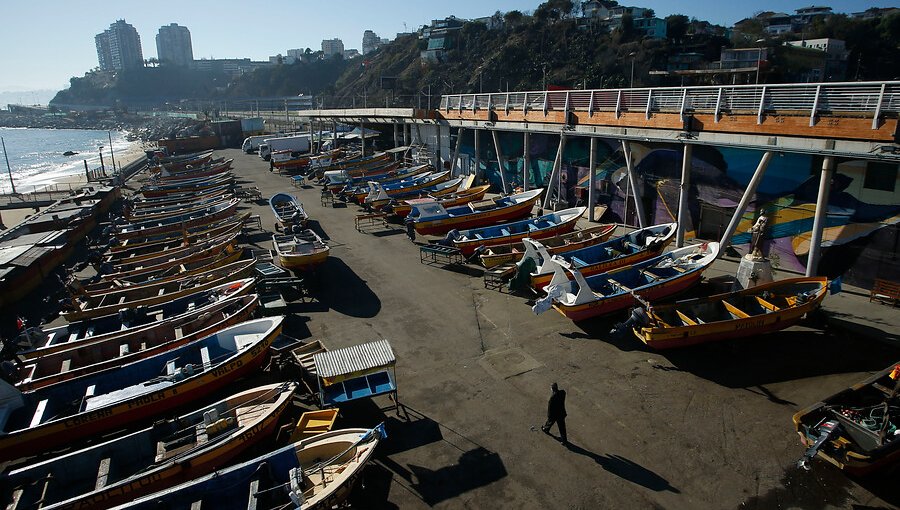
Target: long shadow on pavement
x,y
626,469
345,292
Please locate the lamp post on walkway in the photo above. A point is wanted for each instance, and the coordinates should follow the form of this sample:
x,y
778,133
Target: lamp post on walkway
x,y
8,168
632,70
758,57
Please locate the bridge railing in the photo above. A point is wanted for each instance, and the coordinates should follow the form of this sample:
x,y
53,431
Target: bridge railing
x,y
868,99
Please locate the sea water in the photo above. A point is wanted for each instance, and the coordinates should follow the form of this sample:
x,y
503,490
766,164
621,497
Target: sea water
x,y
36,155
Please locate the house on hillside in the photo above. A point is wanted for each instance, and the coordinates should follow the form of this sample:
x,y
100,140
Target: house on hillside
x,y
440,36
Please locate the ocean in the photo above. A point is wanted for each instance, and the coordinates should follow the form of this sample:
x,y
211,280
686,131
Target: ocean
x,y
36,155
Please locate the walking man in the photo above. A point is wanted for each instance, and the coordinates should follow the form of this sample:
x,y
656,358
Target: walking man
x,y
556,413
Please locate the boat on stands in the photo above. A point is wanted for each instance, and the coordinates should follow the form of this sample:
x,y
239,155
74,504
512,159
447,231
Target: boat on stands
x,y
634,247
90,306
362,188
355,166
181,161
380,195
102,354
168,245
402,207
658,278
155,170
127,321
156,213
188,254
337,180
38,421
217,228
755,311
858,428
135,203
139,255
301,251
506,253
190,220
192,186
288,210
314,473
560,222
433,218
220,168
171,452
102,283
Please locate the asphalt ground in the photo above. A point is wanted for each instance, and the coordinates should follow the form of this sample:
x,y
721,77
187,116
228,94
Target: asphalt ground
x,y
704,427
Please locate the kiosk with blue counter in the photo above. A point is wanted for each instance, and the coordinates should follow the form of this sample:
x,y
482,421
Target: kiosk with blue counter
x,y
352,373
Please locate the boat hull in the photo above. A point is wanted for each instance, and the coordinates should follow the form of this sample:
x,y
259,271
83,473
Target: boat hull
x,y
542,280
504,254
468,247
478,219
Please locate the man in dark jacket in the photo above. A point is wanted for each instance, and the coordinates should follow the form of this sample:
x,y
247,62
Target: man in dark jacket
x,y
556,412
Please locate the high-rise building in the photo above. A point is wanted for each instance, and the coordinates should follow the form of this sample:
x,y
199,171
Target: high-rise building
x,y
331,47
370,42
119,47
173,45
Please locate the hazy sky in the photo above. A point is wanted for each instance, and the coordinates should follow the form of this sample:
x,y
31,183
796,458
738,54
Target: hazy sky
x,y
45,42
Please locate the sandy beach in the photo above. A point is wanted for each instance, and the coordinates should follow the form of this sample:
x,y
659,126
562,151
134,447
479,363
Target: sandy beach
x,y
134,152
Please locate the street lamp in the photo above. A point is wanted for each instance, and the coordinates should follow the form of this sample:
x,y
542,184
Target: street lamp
x,y
758,57
632,70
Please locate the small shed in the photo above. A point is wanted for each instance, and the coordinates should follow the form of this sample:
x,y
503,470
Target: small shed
x,y
352,373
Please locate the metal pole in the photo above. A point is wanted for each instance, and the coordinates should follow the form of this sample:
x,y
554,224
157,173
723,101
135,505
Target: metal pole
x,y
405,129
499,160
87,172
526,160
102,166
745,199
9,168
319,145
815,242
632,179
556,164
592,180
333,134
111,155
459,136
362,133
627,192
683,194
396,134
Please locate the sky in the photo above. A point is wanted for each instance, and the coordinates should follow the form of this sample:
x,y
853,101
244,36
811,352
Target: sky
x,y
45,42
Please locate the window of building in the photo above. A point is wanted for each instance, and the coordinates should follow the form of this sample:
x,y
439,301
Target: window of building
x,y
881,176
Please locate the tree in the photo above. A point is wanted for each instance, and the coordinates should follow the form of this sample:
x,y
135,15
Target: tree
x,y
677,27
513,18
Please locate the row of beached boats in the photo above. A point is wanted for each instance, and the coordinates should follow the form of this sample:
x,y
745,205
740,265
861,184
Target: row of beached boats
x,y
166,324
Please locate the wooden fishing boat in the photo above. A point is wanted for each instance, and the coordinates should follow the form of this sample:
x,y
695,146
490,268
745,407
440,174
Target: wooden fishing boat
x,y
337,180
432,218
355,166
128,321
40,420
755,311
147,213
101,354
856,429
288,210
180,273
657,278
152,191
287,160
474,194
168,453
137,203
189,254
176,223
136,252
357,194
144,255
214,229
192,169
300,251
99,284
316,473
86,307
180,161
499,254
379,195
560,222
166,176
634,247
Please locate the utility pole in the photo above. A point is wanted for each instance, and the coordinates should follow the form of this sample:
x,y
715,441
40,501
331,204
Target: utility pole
x,y
8,168
111,155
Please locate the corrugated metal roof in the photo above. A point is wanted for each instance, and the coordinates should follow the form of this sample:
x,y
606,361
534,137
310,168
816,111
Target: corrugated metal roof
x,y
354,359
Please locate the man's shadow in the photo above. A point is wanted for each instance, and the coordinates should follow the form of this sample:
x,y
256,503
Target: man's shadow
x,y
626,469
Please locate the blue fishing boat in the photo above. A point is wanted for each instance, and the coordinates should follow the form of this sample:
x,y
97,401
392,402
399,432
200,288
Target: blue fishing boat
x,y
560,222
288,210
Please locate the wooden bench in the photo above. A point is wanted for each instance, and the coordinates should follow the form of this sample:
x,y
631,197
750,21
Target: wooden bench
x,y
885,291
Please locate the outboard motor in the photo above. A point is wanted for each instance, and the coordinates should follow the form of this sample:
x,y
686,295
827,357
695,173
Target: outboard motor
x,y
827,430
449,238
638,318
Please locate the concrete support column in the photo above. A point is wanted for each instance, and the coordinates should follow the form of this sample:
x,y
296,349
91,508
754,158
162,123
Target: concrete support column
x,y
745,199
557,163
477,153
396,134
362,132
333,134
632,180
815,242
319,145
592,179
459,136
499,160
405,129
683,194
526,160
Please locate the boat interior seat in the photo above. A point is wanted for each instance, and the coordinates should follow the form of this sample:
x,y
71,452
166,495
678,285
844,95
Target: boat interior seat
x,y
124,350
620,285
532,227
577,261
632,246
504,231
478,236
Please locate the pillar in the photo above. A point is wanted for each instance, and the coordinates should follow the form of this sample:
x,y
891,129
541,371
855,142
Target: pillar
x,y
815,242
362,133
557,163
477,153
499,160
683,194
632,181
405,129
745,199
526,160
592,179
459,136
396,134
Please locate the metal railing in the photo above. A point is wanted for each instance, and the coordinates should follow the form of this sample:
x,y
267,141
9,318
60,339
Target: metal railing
x,y
868,99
